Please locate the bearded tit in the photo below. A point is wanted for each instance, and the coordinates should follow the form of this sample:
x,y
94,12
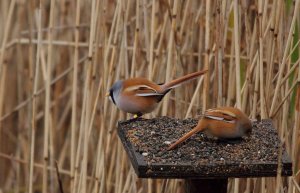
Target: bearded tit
x,y
139,96
222,122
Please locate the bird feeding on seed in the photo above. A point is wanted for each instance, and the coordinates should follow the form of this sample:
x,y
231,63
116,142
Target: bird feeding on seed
x,y
222,122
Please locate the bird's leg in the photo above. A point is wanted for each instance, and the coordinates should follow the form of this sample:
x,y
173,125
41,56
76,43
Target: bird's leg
x,y
137,115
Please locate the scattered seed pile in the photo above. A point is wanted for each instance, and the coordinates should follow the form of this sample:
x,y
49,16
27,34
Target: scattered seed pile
x,y
151,137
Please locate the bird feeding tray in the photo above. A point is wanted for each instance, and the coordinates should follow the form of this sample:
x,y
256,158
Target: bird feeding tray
x,y
200,157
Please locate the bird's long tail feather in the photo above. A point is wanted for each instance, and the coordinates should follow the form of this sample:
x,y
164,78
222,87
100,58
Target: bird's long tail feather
x,y
185,137
178,81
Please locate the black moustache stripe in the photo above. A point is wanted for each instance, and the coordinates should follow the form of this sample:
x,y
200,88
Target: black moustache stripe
x,y
112,96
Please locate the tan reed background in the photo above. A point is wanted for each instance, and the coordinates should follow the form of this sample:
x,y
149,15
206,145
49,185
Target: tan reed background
x,y
58,58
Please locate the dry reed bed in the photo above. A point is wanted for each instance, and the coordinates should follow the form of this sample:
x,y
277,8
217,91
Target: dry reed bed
x,y
58,58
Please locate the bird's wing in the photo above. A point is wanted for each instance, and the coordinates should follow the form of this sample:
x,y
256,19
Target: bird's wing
x,y
220,115
143,90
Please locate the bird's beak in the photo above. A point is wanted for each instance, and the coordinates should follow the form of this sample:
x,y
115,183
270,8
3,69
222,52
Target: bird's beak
x,y
107,94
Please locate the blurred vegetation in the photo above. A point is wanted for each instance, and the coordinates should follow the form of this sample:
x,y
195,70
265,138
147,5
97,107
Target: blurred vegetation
x,y
59,58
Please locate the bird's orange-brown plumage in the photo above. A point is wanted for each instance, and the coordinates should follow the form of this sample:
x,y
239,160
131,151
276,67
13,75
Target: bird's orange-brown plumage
x,y
140,95
222,122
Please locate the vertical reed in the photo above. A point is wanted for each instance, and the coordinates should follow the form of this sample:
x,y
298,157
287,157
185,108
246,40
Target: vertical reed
x,y
69,53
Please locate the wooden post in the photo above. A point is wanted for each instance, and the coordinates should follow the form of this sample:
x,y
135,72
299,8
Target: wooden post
x,y
208,173
206,185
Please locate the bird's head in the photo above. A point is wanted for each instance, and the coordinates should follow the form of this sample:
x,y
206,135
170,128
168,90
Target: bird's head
x,y
114,91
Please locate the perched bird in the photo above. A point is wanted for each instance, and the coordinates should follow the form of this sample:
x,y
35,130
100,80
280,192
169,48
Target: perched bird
x,y
222,122
139,96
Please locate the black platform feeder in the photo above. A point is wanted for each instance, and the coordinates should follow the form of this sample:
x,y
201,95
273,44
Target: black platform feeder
x,y
205,163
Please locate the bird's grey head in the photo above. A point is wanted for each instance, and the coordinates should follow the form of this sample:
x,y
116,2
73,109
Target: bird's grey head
x,y
115,90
